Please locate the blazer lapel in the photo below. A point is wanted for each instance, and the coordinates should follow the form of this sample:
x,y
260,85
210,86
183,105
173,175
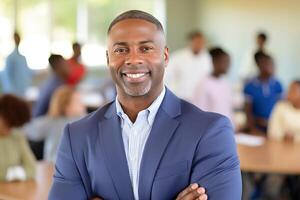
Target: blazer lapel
x,y
112,146
163,128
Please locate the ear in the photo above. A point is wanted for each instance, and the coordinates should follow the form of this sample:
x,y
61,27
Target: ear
x,y
107,58
166,56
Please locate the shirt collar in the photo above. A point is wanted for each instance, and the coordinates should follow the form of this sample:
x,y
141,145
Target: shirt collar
x,y
152,109
270,81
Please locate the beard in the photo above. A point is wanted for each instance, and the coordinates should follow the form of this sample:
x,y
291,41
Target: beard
x,y
137,90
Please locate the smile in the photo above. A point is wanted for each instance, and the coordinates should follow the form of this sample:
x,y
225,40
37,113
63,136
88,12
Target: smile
x,y
136,77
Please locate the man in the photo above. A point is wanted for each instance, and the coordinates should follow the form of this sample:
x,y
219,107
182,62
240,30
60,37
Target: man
x,y
77,69
17,75
248,66
147,144
261,40
209,90
187,66
58,77
261,94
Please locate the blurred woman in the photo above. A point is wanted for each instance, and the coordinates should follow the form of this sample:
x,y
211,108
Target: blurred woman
x,y
65,106
16,159
285,118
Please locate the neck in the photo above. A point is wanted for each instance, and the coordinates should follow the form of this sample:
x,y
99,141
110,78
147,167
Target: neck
x,y
296,105
75,57
4,131
216,74
133,105
196,52
264,77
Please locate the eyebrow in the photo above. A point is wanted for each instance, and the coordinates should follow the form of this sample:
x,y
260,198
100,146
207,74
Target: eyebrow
x,y
125,43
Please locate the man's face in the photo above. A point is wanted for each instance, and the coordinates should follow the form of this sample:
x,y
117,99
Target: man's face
x,y
222,64
77,51
260,42
62,68
197,44
294,94
266,66
137,57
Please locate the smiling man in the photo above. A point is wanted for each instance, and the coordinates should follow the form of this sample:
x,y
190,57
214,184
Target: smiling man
x,y
147,144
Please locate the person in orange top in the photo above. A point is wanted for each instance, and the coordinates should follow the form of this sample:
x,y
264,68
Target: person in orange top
x,y
76,67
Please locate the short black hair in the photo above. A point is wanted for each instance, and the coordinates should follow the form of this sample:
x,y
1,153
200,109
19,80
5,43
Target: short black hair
x,y
193,34
136,14
262,35
259,55
216,52
53,59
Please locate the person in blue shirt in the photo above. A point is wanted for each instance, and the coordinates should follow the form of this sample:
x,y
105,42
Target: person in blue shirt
x,y
16,75
261,94
60,73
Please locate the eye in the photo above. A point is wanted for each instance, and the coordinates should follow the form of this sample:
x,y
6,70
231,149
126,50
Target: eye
x,y
121,50
146,48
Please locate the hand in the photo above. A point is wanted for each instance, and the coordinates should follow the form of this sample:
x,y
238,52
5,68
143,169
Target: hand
x,y
192,192
96,198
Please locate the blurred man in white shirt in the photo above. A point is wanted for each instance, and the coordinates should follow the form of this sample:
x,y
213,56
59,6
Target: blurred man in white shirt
x,y
187,66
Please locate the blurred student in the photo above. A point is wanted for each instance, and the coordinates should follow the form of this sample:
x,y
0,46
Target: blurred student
x,y
248,66
285,118
16,159
214,92
261,94
58,77
65,106
77,69
187,66
17,75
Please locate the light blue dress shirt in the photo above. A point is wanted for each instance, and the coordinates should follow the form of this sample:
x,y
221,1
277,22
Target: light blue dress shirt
x,y
16,75
135,136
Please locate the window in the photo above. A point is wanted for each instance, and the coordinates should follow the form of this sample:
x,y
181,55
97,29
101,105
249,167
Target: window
x,y
52,25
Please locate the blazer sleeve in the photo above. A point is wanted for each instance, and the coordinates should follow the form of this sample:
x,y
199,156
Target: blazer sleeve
x,y
216,165
67,182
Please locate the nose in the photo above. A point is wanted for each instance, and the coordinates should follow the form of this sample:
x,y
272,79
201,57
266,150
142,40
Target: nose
x,y
134,58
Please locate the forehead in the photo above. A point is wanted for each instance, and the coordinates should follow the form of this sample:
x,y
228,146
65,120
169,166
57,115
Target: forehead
x,y
135,30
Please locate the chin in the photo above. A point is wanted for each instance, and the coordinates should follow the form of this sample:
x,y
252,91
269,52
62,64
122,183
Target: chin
x,y
136,93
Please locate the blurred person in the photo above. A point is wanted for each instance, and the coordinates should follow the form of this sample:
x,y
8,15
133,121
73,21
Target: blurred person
x,y
16,74
248,67
214,92
187,66
285,118
77,69
65,106
16,159
261,94
261,40
59,75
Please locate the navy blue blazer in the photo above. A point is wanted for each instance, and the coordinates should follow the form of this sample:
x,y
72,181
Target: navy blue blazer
x,y
186,145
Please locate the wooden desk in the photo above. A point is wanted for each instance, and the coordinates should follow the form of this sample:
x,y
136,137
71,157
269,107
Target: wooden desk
x,y
271,157
29,190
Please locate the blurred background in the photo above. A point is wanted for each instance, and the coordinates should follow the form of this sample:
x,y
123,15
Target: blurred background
x,y
44,35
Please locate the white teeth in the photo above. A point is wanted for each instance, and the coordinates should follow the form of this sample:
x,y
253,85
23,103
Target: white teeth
x,y
135,75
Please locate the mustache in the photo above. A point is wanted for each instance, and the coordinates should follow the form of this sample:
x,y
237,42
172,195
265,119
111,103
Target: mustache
x,y
125,68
